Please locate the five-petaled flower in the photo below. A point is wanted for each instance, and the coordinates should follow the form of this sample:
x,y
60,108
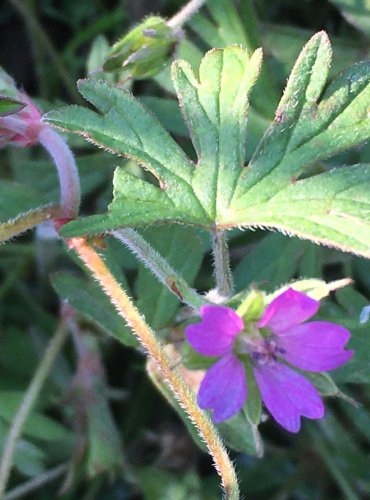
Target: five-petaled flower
x,y
279,339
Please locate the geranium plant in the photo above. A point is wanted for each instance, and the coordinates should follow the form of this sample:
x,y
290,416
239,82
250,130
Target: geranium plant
x,y
238,347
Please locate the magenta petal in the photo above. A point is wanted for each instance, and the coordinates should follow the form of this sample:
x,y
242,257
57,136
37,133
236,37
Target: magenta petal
x,y
224,388
288,309
214,335
288,395
316,346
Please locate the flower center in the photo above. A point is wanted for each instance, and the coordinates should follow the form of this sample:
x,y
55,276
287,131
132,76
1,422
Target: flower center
x,y
262,350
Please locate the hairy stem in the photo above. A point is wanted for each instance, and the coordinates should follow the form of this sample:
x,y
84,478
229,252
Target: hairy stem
x,y
28,402
147,338
26,221
221,261
159,267
67,171
191,8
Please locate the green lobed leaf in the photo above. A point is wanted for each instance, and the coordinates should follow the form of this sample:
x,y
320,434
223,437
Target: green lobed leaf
x,y
332,208
311,124
223,26
185,193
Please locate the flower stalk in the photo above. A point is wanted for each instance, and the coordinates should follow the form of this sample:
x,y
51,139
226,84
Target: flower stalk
x,y
146,336
159,267
222,270
67,171
183,16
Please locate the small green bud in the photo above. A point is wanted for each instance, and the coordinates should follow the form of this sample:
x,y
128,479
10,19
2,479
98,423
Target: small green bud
x,y
9,95
9,106
252,307
144,50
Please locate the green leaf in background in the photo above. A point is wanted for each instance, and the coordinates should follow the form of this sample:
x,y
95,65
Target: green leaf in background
x,y
331,208
38,426
222,26
183,250
323,383
29,459
241,434
91,301
347,313
157,483
9,106
94,169
356,12
21,208
105,452
17,198
270,262
97,55
283,44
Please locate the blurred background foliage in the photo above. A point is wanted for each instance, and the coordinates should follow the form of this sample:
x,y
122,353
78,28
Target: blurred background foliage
x,y
100,430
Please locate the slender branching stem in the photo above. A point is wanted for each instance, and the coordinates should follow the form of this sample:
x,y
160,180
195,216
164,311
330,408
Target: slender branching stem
x,y
36,482
67,171
191,8
159,267
28,402
147,338
221,261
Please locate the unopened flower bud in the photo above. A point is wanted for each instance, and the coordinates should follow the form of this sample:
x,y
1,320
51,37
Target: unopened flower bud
x,y
21,125
22,128
9,106
144,50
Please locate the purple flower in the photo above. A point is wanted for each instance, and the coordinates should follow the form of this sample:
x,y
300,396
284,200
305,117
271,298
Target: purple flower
x,y
280,334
